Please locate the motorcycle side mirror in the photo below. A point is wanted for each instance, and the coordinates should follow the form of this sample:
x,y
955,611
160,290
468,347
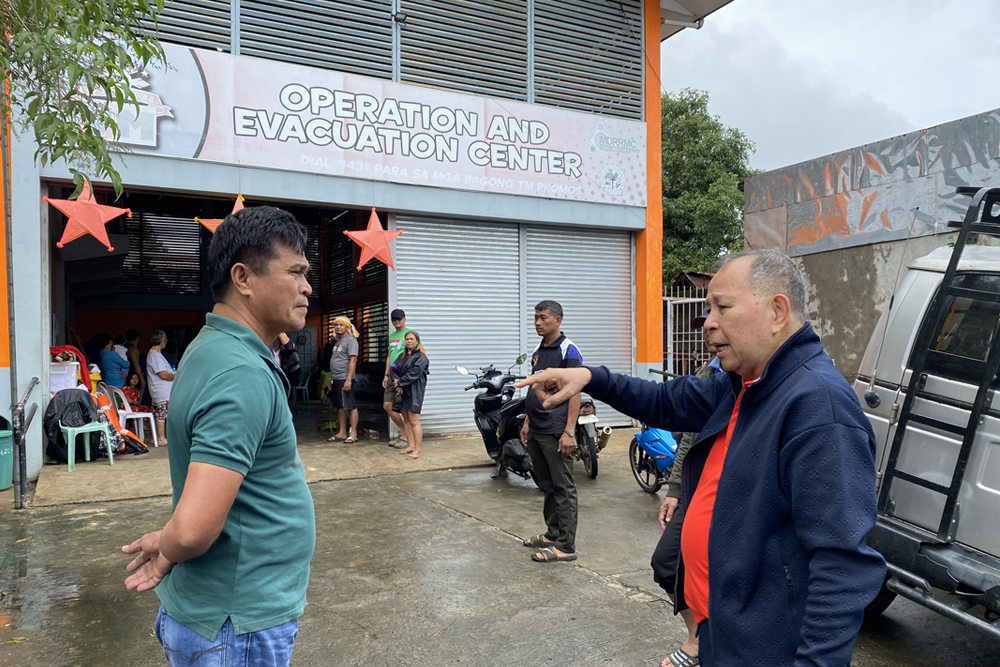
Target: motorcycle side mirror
x,y
462,370
520,359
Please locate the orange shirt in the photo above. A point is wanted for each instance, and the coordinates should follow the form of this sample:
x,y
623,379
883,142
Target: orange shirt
x,y
698,520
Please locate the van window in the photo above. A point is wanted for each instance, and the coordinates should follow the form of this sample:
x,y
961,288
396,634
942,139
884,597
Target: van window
x,y
968,330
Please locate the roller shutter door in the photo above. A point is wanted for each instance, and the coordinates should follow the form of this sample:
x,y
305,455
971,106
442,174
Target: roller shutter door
x,y
458,283
590,274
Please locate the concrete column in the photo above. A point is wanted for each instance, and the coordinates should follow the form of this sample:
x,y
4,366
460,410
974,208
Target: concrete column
x,y
32,293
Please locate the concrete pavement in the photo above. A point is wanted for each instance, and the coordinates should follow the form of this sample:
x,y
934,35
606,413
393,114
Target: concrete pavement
x,y
410,569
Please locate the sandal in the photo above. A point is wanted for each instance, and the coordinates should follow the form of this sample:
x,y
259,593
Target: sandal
x,y
548,555
537,541
413,457
334,438
681,658
350,440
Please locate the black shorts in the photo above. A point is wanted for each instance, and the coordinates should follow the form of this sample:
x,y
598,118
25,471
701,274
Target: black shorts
x,y
342,399
664,560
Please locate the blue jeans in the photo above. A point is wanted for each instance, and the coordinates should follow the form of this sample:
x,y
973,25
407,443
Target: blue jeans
x,y
184,647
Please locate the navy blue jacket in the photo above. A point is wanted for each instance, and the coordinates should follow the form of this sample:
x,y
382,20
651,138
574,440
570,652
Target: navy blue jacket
x,y
790,574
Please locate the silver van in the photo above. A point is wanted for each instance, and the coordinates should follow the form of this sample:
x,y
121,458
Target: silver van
x,y
928,383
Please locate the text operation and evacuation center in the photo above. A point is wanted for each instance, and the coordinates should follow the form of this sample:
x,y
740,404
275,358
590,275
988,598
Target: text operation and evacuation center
x,y
514,143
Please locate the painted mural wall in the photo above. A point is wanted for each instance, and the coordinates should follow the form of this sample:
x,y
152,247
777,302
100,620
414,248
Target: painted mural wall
x,y
885,191
856,219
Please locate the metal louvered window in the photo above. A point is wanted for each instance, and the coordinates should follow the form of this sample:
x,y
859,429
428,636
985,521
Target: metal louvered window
x,y
478,47
164,255
341,266
588,55
201,23
374,328
353,36
375,272
312,255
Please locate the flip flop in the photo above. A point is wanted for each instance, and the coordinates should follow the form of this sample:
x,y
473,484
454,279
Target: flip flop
x,y
350,440
334,438
411,457
537,541
549,556
681,658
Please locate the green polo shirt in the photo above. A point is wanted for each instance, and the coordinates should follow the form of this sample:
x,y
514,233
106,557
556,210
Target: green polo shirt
x,y
228,408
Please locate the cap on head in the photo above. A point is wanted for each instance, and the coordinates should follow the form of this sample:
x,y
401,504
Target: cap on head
x,y
397,314
699,321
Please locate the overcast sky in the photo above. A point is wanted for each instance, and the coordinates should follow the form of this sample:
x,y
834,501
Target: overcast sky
x,y
805,78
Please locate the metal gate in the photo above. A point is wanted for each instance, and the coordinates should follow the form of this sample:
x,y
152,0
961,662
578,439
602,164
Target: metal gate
x,y
684,350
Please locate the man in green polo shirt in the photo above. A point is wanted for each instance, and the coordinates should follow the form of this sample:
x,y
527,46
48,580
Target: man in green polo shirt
x,y
231,566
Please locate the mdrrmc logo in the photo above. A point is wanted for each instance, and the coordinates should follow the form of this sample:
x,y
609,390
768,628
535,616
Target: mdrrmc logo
x,y
603,142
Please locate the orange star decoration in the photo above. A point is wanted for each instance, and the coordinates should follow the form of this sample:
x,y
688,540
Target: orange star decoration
x,y
212,225
374,242
86,216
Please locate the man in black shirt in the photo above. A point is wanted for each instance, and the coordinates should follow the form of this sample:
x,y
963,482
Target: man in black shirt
x,y
550,437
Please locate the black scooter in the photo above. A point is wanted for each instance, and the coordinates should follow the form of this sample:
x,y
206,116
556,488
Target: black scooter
x,y
500,417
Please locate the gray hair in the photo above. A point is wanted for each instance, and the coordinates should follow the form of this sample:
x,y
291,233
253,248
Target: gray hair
x,y
551,306
157,337
770,273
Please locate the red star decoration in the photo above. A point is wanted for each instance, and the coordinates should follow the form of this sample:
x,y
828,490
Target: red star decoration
x,y
212,225
86,216
374,242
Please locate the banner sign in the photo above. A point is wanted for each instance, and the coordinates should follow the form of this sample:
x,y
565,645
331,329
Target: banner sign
x,y
261,113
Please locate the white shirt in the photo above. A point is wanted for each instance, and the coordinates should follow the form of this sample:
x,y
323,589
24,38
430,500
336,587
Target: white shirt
x,y
122,351
159,389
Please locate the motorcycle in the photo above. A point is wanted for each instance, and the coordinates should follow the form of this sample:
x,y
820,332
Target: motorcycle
x,y
499,417
652,453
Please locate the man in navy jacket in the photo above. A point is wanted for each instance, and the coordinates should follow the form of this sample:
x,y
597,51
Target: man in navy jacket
x,y
782,474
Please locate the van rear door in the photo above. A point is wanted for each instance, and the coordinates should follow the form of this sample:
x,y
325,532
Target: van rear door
x,y
960,342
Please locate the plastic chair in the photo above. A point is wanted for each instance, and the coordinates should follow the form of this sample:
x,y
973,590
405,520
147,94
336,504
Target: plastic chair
x,y
125,413
302,386
70,433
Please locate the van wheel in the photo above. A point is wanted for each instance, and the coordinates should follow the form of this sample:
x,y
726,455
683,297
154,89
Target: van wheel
x,y
881,602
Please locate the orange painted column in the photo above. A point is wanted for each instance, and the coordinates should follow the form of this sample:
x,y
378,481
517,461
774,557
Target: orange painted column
x,y
649,243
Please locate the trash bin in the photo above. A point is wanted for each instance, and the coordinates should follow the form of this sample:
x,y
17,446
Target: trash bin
x,y
6,455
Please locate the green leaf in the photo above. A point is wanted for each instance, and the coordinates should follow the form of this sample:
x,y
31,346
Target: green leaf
x,y
78,181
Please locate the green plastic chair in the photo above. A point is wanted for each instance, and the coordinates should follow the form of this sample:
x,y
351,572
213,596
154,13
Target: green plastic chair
x,y
302,389
70,433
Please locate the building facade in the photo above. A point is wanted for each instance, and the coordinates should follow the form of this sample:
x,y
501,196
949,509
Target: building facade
x,y
514,143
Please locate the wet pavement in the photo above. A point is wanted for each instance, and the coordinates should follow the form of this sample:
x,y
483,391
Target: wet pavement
x,y
424,568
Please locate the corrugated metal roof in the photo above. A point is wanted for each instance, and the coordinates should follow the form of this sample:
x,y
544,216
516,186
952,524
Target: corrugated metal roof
x,y
694,279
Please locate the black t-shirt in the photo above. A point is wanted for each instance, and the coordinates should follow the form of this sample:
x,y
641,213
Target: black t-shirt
x,y
562,353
